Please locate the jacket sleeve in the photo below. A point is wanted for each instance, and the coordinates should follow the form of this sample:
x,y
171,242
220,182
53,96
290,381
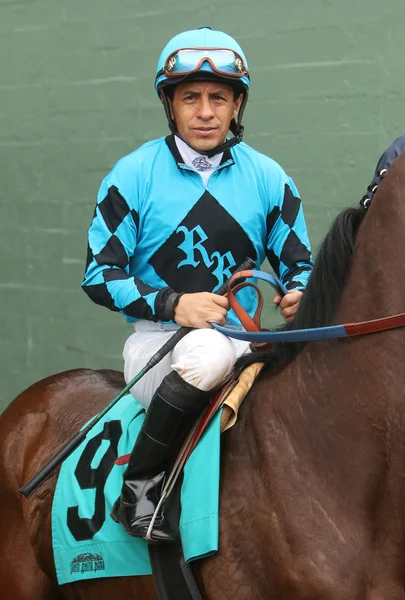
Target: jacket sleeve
x,y
288,249
112,240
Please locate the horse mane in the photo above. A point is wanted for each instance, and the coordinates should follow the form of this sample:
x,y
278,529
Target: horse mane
x,y
323,293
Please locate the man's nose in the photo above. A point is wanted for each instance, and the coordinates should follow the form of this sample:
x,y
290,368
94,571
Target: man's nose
x,y
205,109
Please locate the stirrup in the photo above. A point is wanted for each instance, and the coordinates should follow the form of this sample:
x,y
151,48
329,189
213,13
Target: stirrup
x,y
148,536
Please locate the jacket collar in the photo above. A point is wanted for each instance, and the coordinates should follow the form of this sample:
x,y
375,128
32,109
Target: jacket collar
x,y
171,143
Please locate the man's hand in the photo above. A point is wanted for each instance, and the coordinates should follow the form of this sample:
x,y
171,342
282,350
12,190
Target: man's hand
x,y
200,309
288,304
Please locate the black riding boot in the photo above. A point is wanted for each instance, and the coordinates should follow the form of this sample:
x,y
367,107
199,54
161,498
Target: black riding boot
x,y
173,411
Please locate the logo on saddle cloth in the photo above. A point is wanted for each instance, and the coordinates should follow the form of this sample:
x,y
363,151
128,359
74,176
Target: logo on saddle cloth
x,y
87,562
203,249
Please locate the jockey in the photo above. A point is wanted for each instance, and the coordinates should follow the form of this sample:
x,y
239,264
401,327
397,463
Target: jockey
x,y
173,220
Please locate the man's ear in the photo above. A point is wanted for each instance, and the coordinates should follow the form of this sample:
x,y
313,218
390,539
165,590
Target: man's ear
x,y
236,105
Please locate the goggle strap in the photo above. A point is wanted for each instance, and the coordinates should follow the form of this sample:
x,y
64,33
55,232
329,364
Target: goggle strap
x,y
166,105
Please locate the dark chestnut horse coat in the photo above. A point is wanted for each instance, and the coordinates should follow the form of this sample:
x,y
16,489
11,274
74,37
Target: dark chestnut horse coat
x,y
313,473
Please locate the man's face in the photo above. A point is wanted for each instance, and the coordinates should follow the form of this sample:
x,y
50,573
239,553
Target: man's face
x,y
202,111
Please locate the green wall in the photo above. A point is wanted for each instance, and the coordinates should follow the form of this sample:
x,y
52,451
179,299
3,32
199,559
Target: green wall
x,y
76,93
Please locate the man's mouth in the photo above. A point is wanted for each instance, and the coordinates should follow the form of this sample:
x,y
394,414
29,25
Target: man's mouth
x,y
205,130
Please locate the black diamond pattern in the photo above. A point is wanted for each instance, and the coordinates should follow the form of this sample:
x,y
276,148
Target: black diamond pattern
x,y
114,275
140,309
113,254
224,235
291,206
272,219
113,208
294,251
143,288
100,295
274,261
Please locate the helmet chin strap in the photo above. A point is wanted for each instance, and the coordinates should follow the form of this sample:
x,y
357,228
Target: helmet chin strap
x,y
235,126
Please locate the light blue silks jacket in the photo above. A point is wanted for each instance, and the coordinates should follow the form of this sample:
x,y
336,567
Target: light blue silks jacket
x,y
87,543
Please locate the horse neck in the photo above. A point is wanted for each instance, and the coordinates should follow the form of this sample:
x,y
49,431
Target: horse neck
x,y
376,282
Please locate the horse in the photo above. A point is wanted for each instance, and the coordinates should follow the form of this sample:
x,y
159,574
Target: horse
x,y
312,474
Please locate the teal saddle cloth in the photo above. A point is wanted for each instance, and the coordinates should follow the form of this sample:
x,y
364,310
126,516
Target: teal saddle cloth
x,y
87,543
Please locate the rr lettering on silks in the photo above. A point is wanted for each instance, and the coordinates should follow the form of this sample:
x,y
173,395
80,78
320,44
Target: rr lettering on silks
x,y
190,248
223,273
193,244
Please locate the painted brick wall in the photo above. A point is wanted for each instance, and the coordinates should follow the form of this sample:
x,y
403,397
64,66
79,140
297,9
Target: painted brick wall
x,y
76,93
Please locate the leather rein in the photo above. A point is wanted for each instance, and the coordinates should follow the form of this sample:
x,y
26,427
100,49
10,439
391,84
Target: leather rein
x,y
255,334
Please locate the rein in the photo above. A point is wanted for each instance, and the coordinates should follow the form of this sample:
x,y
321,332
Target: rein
x,y
256,335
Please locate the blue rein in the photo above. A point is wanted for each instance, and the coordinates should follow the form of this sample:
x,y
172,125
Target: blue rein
x,y
299,335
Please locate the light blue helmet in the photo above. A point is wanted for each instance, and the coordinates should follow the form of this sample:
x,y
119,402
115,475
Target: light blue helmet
x,y
200,39
204,55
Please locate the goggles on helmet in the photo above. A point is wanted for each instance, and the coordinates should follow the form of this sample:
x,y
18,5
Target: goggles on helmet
x,y
189,60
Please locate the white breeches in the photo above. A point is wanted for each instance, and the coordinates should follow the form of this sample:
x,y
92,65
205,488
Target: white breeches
x,y
203,358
